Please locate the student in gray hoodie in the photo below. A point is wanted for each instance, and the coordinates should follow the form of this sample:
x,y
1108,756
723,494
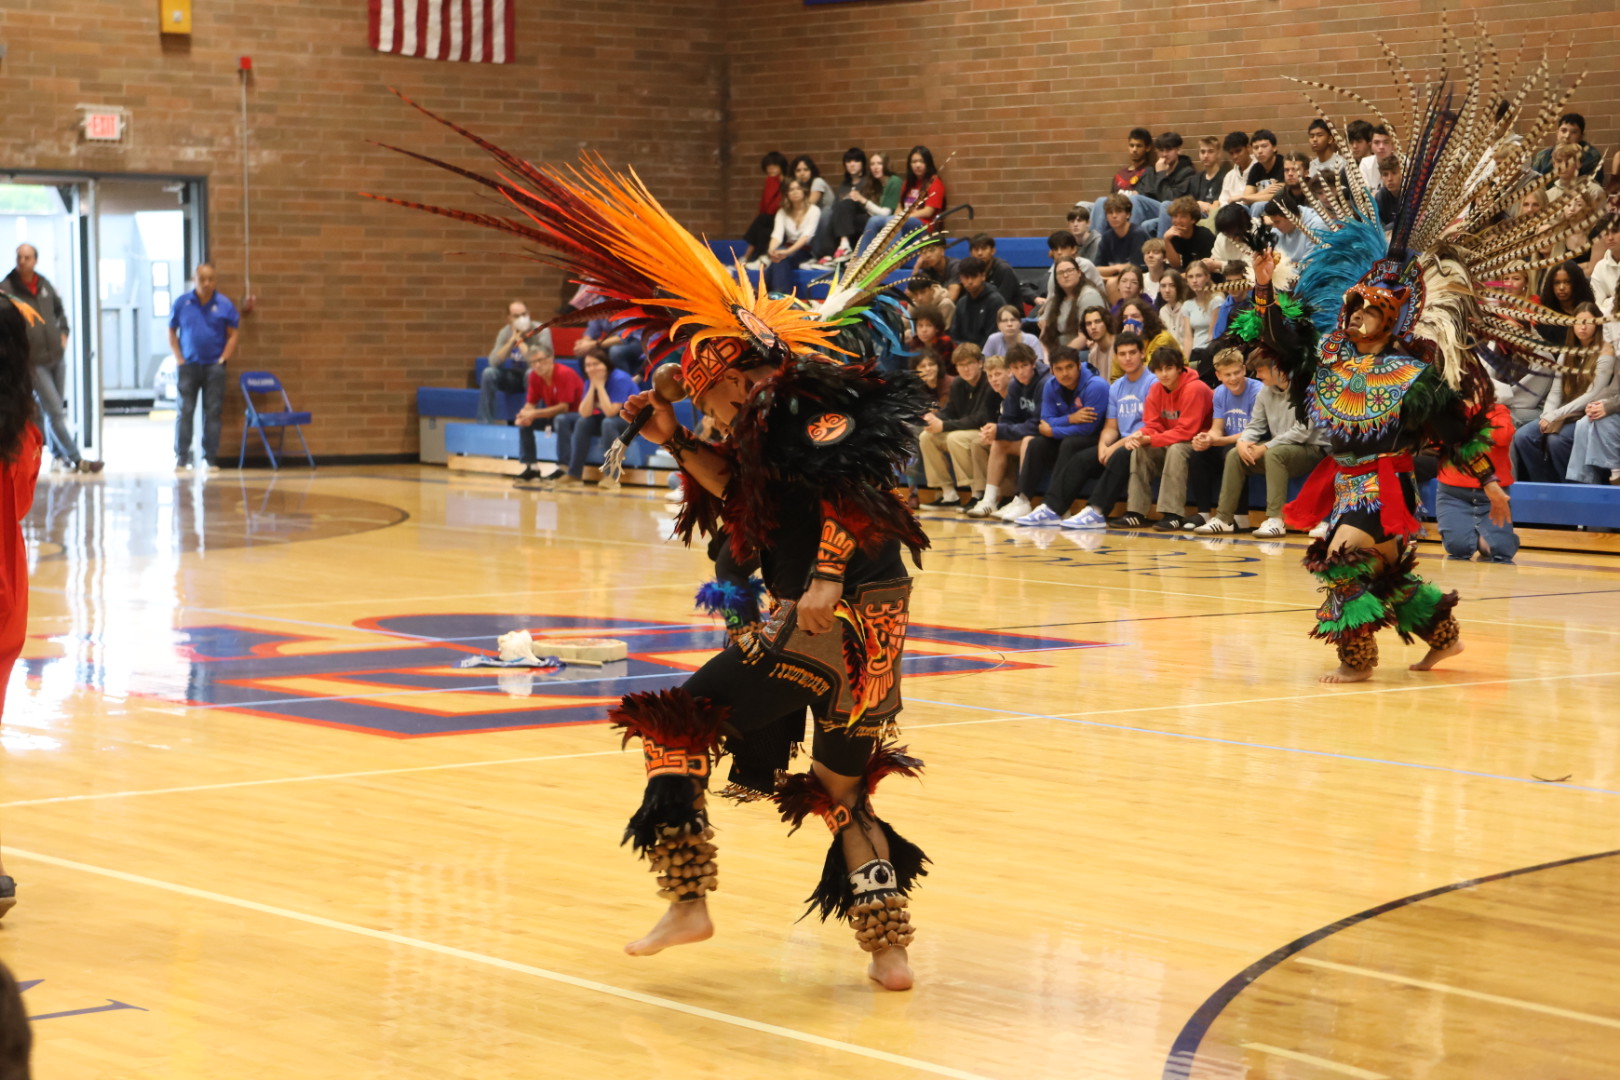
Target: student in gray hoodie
x,y
1275,443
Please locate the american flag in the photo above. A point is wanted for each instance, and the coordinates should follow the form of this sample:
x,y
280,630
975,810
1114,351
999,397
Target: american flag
x,y
479,31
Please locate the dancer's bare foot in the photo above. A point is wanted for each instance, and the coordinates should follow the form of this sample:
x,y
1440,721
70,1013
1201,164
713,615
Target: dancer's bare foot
x,y
1344,674
683,924
890,969
1434,656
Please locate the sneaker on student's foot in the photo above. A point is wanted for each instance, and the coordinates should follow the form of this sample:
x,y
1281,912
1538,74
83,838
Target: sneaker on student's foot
x,y
1168,523
1213,527
1041,515
981,509
1271,529
1089,518
1013,510
947,497
1130,519
1240,521
1320,531
1192,522
529,475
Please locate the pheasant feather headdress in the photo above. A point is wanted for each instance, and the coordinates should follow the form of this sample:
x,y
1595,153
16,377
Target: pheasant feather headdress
x,y
607,231
1451,234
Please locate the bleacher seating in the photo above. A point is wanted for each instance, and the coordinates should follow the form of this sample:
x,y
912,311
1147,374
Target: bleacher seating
x,y
444,412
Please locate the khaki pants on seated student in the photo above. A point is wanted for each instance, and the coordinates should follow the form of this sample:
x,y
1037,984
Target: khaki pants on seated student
x,y
968,457
1147,463
1279,463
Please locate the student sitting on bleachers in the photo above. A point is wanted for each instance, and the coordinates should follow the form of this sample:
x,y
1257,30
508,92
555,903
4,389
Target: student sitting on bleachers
x,y
596,416
553,390
1542,448
997,272
505,370
1276,443
1018,422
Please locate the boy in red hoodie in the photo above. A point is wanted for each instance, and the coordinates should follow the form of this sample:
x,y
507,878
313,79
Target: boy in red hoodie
x,y
1462,509
1178,407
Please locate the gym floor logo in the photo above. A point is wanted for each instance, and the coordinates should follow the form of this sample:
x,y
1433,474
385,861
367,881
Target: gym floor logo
x,y
410,685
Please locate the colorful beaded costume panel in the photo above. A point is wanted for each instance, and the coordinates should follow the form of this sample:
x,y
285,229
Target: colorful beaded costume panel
x,y
1358,398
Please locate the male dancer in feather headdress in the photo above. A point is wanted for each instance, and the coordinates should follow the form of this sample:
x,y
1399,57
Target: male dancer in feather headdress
x,y
1408,328
802,482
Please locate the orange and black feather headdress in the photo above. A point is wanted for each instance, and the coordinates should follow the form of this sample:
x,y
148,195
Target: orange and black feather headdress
x,y
606,230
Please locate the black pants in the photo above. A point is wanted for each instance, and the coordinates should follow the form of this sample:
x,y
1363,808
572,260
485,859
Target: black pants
x,y
1044,456
1112,481
846,219
209,379
1204,474
758,235
767,711
528,453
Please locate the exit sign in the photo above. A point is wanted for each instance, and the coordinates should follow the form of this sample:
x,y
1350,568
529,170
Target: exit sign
x,y
103,126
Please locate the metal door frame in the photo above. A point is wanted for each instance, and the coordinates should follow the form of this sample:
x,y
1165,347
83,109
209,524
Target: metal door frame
x,y
86,384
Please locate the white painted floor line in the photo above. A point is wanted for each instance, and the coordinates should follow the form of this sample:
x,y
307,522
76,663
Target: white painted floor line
x,y
1442,988
1312,1059
305,779
561,978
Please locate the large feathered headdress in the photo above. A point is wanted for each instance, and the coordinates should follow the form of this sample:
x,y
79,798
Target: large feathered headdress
x,y
1451,234
606,230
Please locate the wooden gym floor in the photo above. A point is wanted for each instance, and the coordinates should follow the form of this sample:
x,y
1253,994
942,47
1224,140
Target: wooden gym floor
x,y
264,826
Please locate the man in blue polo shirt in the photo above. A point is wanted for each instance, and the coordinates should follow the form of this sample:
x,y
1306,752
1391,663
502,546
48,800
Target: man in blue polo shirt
x,y
202,333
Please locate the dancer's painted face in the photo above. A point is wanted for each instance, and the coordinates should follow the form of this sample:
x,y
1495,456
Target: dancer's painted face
x,y
1367,326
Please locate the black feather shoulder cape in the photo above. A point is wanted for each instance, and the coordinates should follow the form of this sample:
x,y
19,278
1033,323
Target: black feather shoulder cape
x,y
837,433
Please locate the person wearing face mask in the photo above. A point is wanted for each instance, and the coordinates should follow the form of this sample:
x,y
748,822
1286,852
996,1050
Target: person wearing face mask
x,y
508,368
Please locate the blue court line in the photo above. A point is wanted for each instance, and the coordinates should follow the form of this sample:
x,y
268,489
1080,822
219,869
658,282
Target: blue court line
x,y
1265,746
590,678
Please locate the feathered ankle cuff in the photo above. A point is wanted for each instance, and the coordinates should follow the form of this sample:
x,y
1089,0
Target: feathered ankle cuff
x,y
680,739
859,895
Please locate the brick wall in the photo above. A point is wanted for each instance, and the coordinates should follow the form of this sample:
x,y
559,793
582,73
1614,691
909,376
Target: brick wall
x,y
1034,99
357,302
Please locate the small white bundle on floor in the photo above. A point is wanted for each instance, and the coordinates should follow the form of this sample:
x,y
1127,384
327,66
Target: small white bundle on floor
x,y
516,649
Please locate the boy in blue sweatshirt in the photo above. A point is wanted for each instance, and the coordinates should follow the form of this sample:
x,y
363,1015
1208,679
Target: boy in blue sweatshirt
x,y
1110,466
1019,421
1074,404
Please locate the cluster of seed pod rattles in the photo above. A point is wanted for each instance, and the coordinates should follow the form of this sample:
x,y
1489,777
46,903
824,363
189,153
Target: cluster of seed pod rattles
x,y
880,914
683,859
882,921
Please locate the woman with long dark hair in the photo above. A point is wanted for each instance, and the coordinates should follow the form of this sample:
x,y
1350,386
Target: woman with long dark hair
x,y
1565,290
20,446
817,191
923,192
1072,294
1542,448
846,216
922,195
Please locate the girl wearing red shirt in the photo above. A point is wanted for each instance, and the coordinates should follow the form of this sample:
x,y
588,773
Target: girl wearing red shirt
x,y
758,236
20,443
923,190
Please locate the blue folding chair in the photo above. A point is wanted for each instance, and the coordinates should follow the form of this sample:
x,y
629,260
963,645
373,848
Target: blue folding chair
x,y
264,382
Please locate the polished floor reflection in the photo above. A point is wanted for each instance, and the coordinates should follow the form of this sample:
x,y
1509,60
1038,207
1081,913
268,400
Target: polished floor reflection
x,y
264,824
